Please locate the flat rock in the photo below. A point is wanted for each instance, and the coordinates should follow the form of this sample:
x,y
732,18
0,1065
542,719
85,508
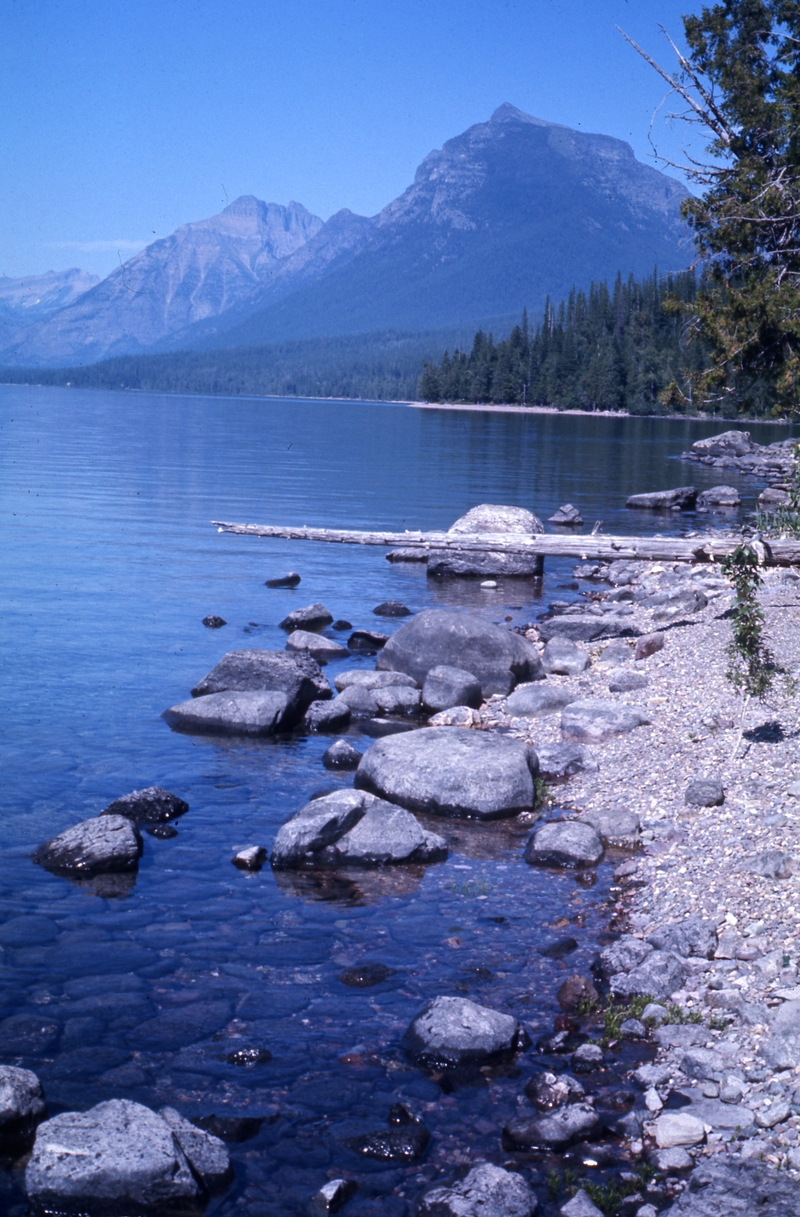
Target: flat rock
x,y
782,1048
341,755
391,608
704,792
298,676
678,1128
453,1031
446,686
579,627
718,497
498,658
615,826
486,1191
626,682
560,761
451,771
567,515
408,553
311,617
539,701
682,498
565,843
490,518
555,1132
561,657
262,713
103,845
680,1035
322,649
152,805
290,579
725,1116
738,1189
373,680
330,715
21,1106
660,975
690,937
593,721
206,1154
671,1161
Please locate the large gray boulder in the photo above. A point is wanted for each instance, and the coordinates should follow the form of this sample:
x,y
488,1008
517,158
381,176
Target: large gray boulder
x,y
539,701
451,771
718,498
490,518
331,715
398,700
564,843
581,627
623,955
298,676
497,658
118,1156
367,679
486,1191
103,845
21,1106
262,713
315,826
727,443
453,1031
322,649
593,721
682,498
446,686
737,1189
152,805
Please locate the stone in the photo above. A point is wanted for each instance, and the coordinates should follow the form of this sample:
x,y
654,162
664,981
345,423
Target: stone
x,y
587,1058
290,579
206,1154
676,600
577,627
770,1116
718,497
660,975
327,715
690,937
566,514
614,825
456,716
322,649
632,1029
727,1188
680,1035
373,680
731,1091
560,761
555,1132
398,700
446,687
315,826
311,617
103,845
564,843
486,1191
367,640
498,658
213,622
489,518
342,624
678,1128
593,721
341,755
263,713
391,608
623,955
626,682
252,857
704,1064
648,645
576,991
723,1116
22,1106
408,553
581,1205
559,947
360,700
727,443
671,1161
118,1153
704,792
771,864
333,1196
652,1100
152,805
453,1031
615,654
561,657
539,701
682,498
451,771
365,976
405,1140
772,497
548,1090
298,676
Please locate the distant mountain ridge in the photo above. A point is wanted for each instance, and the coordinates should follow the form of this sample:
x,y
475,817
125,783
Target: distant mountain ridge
x,y
509,212
29,299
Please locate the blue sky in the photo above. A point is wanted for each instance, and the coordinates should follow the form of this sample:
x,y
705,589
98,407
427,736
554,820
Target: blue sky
x,y
123,120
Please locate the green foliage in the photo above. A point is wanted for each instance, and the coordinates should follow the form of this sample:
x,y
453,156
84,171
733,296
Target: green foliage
x,y
677,1014
614,1016
751,664
609,1195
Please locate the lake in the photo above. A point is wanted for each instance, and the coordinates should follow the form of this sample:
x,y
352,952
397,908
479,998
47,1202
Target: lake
x,y
109,565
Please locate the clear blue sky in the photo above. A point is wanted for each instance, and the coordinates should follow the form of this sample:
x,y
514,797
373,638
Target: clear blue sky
x,y
124,118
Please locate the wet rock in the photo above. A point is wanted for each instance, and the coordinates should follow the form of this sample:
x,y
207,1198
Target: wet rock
x,y
554,1132
331,715
561,657
559,948
718,497
315,826
322,649
564,843
548,1091
118,1153
252,857
206,1154
593,721
660,975
341,755
365,975
771,497
615,826
560,761
733,1189
405,1140
648,645
452,772
704,792
333,1196
342,624
446,687
782,1049
490,518
364,679
456,716
298,676
623,955
632,1029
360,700
399,700
367,640
452,1031
232,1128
152,805
311,617
212,622
263,713
682,498
587,1058
290,579
105,844
579,628
566,514
391,608
408,553
580,1205
486,1191
678,1128
692,936
248,1057
28,930
22,1106
626,682
539,701
576,991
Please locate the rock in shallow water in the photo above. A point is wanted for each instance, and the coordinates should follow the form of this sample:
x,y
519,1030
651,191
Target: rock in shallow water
x,y
490,518
593,721
682,498
660,975
405,1140
365,975
261,713
310,617
152,805
391,608
298,676
327,715
341,755
322,649
452,1031
486,1191
207,1155
105,844
213,622
556,1131
21,1106
446,686
290,579
565,843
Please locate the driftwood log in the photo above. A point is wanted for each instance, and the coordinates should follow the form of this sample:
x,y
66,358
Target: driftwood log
x,y
589,548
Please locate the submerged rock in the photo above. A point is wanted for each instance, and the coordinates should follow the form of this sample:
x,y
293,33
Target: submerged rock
x,y
548,1091
490,518
391,608
206,1154
405,1139
365,975
152,805
105,844
263,713
213,622
552,1132
564,843
486,1191
452,1031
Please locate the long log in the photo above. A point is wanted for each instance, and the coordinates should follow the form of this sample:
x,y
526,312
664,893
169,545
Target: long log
x,y
587,548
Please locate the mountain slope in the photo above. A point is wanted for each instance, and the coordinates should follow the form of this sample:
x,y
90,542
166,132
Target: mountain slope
x,y
27,300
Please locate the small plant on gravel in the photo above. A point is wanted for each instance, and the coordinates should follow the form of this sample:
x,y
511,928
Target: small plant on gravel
x,y
614,1016
751,664
677,1014
608,1196
715,1023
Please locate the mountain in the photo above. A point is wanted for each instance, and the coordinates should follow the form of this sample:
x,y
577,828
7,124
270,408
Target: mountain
x,y
201,270
25,301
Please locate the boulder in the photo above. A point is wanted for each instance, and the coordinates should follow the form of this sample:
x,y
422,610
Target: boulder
x,y
261,713
360,700
373,680
290,579
498,658
687,938
206,1154
564,843
391,608
367,640
106,844
398,700
581,1205
560,761
21,1107
727,443
675,601
580,627
341,755
315,826
593,721
456,716
446,686
118,1155
548,1090
561,657
623,955
732,1188
451,771
453,1031
660,975
486,1191
152,805
568,515
489,518
772,497
615,826
704,792
647,645
678,1128
213,622
539,701
322,649
552,1132
327,715
683,498
782,1048
298,676
626,682
311,617
718,497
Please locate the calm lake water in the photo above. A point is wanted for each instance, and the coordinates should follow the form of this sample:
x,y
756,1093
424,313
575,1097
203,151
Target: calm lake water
x,y
109,563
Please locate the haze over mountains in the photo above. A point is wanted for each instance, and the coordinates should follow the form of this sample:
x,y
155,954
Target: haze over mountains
x,y
509,212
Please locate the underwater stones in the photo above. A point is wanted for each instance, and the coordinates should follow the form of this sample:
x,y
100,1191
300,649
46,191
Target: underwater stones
x,y
232,713
105,844
453,1031
404,1140
564,843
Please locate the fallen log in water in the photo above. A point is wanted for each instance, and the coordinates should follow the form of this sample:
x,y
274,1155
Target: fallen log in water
x,y
590,548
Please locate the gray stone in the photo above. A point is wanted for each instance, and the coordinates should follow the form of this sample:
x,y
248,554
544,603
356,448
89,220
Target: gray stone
x,y
116,1154
252,857
626,682
682,498
262,713
556,1131
776,1114
104,845
152,805
409,553
456,716
671,1161
615,826
498,658
21,1105
593,721
490,518
648,645
367,640
727,443
587,1058
660,975
384,835
539,701
616,653
704,792
648,1076
675,1128
702,1063
725,1188
723,1116
731,1091
560,761
566,514
298,676
360,699
398,700
676,600
548,1090
486,1191
782,1049
580,1205
624,955
391,608
446,686
451,771
455,1031
772,497
366,679
680,1035
333,1195
578,627
330,715
311,617
322,649
718,497
315,826
771,864
341,755
206,1154
632,1029
561,657
692,936
564,843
